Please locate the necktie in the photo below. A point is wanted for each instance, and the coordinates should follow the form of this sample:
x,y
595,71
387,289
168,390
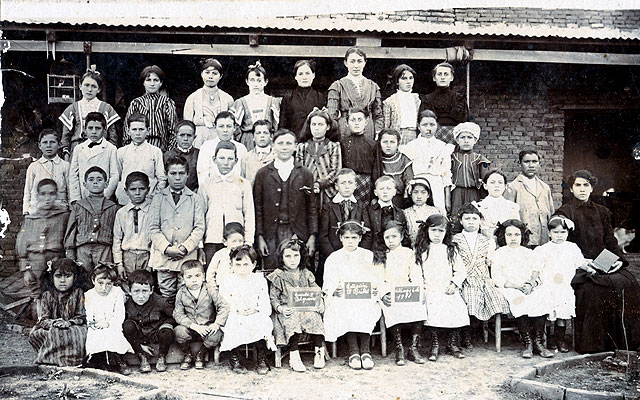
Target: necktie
x,y
176,197
50,162
135,219
93,144
346,209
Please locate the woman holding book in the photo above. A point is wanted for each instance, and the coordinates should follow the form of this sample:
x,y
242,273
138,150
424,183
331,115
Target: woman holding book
x,y
601,297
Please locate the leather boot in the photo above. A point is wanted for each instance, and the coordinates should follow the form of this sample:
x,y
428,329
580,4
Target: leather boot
x,y
295,362
538,346
435,346
414,354
560,333
236,366
527,352
318,358
397,341
263,365
452,345
465,332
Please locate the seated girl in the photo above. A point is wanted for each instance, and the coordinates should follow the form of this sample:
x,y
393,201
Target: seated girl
x,y
289,323
495,208
249,318
422,207
345,269
400,269
516,272
61,331
443,272
106,343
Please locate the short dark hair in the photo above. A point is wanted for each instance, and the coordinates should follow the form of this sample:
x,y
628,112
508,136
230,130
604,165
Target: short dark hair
x,y
356,50
46,132
261,122
226,146
151,69
211,62
493,172
136,176
397,73
186,122
502,228
294,244
442,64
356,110
96,116
243,251
107,269
282,132
46,182
97,169
309,63
176,160
231,228
469,209
191,264
142,277
584,174
391,132
527,152
138,117
224,114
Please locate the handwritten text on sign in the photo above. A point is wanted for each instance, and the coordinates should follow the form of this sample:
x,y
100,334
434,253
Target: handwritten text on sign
x,y
406,294
305,299
357,290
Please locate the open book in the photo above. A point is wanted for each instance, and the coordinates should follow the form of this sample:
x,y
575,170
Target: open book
x,y
604,261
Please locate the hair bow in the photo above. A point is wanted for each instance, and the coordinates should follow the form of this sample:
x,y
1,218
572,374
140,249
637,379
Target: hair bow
x,y
566,221
256,65
316,109
360,224
92,68
49,266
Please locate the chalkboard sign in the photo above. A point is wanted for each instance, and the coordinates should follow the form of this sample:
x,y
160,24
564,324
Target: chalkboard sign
x,y
305,299
357,290
406,294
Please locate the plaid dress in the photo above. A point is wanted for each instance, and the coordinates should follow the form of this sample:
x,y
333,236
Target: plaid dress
x,y
62,347
483,299
299,321
358,153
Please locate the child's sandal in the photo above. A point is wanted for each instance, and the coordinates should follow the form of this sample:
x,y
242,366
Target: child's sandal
x,y
355,361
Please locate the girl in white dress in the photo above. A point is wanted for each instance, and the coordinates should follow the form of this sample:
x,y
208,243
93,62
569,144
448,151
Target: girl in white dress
x,y
516,271
105,314
422,207
559,260
351,293
432,159
400,270
495,208
443,272
249,318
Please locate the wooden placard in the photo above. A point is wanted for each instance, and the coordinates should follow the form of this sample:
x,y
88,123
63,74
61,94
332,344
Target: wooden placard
x,y
305,299
406,294
357,290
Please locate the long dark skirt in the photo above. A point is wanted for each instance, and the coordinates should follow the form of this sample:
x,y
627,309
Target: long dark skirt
x,y
607,308
62,347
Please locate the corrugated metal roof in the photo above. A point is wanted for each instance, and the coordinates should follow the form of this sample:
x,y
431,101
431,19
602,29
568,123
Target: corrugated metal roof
x,y
374,24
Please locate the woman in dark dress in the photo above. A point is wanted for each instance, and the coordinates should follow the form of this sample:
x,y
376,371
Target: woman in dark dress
x,y
600,324
298,103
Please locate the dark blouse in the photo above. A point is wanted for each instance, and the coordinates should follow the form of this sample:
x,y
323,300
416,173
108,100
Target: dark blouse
x,y
358,153
450,107
296,106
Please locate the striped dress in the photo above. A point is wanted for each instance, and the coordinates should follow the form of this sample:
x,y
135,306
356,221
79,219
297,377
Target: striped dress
x,y
62,347
483,299
162,115
324,162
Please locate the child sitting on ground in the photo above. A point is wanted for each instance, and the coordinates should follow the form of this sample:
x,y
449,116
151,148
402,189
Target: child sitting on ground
x,y
289,323
61,331
220,266
400,269
422,207
443,272
149,320
200,313
131,242
516,272
106,344
49,166
249,318
41,237
344,315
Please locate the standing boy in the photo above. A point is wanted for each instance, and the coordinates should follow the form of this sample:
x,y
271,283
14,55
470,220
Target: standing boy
x,y
49,166
262,154
284,200
227,198
185,135
533,196
148,320
89,235
225,126
176,227
380,211
139,155
95,151
131,241
200,313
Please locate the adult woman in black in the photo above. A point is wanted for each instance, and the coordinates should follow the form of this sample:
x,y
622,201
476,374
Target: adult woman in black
x,y
600,323
297,104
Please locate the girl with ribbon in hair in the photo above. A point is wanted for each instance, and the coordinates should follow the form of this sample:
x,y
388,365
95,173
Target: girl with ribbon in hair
x,y
320,152
257,105
401,108
422,207
204,104
298,103
61,331
560,259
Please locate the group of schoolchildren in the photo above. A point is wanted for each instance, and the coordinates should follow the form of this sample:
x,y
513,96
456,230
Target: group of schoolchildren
x,y
132,249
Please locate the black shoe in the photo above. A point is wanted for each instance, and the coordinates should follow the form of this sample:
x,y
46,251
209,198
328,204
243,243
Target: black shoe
x,y
466,338
539,347
452,346
414,354
527,352
560,334
435,346
397,341
236,366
